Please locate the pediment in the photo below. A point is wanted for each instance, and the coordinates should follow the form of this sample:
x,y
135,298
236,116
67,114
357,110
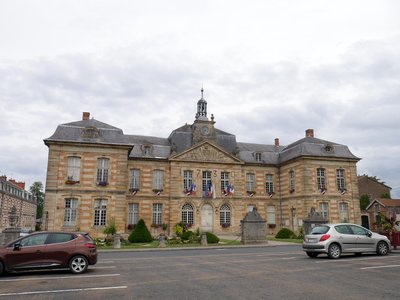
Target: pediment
x,y
206,152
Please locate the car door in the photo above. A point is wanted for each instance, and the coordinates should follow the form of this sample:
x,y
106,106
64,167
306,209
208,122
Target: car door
x,y
364,242
346,238
59,248
26,253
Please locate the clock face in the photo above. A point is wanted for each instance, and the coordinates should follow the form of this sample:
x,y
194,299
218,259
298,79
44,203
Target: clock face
x,y
205,130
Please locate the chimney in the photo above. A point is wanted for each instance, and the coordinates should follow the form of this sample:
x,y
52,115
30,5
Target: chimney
x,y
310,133
85,115
276,142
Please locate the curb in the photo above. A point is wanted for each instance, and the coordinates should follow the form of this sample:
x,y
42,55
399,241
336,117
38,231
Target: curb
x,y
263,245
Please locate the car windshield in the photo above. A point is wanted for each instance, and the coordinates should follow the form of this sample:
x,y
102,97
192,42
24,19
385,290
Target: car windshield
x,y
319,230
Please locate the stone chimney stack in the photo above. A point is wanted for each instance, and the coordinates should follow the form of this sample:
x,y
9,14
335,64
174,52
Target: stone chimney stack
x,y
310,133
276,142
85,115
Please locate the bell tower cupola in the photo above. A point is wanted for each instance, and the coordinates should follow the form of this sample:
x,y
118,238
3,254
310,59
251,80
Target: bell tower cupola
x,y
202,108
203,128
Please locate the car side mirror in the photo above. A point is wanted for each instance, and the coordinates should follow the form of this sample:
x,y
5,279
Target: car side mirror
x,y
17,246
369,234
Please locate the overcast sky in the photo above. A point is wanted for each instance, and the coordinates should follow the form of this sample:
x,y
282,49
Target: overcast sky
x,y
269,69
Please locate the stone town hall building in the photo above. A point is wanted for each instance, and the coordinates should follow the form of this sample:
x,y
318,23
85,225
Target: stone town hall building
x,y
199,175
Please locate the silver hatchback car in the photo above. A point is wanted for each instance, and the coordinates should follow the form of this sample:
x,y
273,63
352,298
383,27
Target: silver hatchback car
x,y
335,239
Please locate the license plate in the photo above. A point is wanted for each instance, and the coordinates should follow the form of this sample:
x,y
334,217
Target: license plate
x,y
311,240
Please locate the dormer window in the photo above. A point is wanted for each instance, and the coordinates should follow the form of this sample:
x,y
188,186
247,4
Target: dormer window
x,y
328,148
90,132
147,150
258,156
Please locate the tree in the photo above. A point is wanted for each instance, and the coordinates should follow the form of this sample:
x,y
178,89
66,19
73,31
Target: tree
x,y
36,190
385,196
364,201
388,224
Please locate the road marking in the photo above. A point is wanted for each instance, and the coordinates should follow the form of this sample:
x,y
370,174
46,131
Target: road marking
x,y
59,277
65,291
344,259
379,267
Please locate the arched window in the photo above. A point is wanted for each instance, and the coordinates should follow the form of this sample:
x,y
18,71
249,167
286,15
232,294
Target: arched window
x,y
187,214
225,215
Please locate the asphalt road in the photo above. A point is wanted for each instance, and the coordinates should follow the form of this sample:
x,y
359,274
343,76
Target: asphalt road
x,y
281,272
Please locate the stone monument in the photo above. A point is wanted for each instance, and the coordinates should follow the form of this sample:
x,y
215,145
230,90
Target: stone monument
x,y
254,229
313,218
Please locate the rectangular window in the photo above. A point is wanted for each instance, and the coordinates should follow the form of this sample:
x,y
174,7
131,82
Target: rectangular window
x,y
324,209
74,168
103,166
250,184
291,182
187,180
340,180
206,180
70,212
271,214
100,212
344,212
133,213
321,179
158,180
157,214
224,181
134,182
269,184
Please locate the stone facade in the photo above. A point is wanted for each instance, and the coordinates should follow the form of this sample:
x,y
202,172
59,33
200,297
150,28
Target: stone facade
x,y
199,175
17,206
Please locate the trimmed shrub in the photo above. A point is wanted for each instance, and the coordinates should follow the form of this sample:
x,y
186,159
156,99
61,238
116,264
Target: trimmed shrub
x,y
212,238
188,235
140,234
285,233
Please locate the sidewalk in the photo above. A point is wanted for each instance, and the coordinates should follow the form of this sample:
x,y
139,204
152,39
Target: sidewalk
x,y
209,246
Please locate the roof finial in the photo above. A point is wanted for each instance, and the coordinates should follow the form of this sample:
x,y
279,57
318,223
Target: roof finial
x,y
202,90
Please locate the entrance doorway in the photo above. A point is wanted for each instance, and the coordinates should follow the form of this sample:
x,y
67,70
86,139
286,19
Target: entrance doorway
x,y
365,221
206,218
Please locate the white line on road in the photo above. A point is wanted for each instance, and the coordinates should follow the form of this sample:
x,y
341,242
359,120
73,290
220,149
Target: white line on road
x,y
345,260
379,267
65,291
59,277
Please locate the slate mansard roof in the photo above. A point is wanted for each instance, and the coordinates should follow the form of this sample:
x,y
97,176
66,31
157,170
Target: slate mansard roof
x,y
91,131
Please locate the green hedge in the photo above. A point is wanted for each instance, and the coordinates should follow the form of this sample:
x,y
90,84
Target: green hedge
x,y
285,233
212,238
187,235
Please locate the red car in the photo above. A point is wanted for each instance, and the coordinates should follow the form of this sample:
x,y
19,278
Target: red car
x,y
49,250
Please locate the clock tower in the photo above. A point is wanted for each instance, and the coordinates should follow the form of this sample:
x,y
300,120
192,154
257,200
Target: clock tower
x,y
203,129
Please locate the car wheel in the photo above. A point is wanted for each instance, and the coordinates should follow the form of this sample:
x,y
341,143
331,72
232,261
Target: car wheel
x,y
312,254
334,251
1,268
382,248
78,264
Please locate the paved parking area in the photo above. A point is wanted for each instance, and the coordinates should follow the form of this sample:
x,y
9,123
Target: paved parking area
x,y
282,272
